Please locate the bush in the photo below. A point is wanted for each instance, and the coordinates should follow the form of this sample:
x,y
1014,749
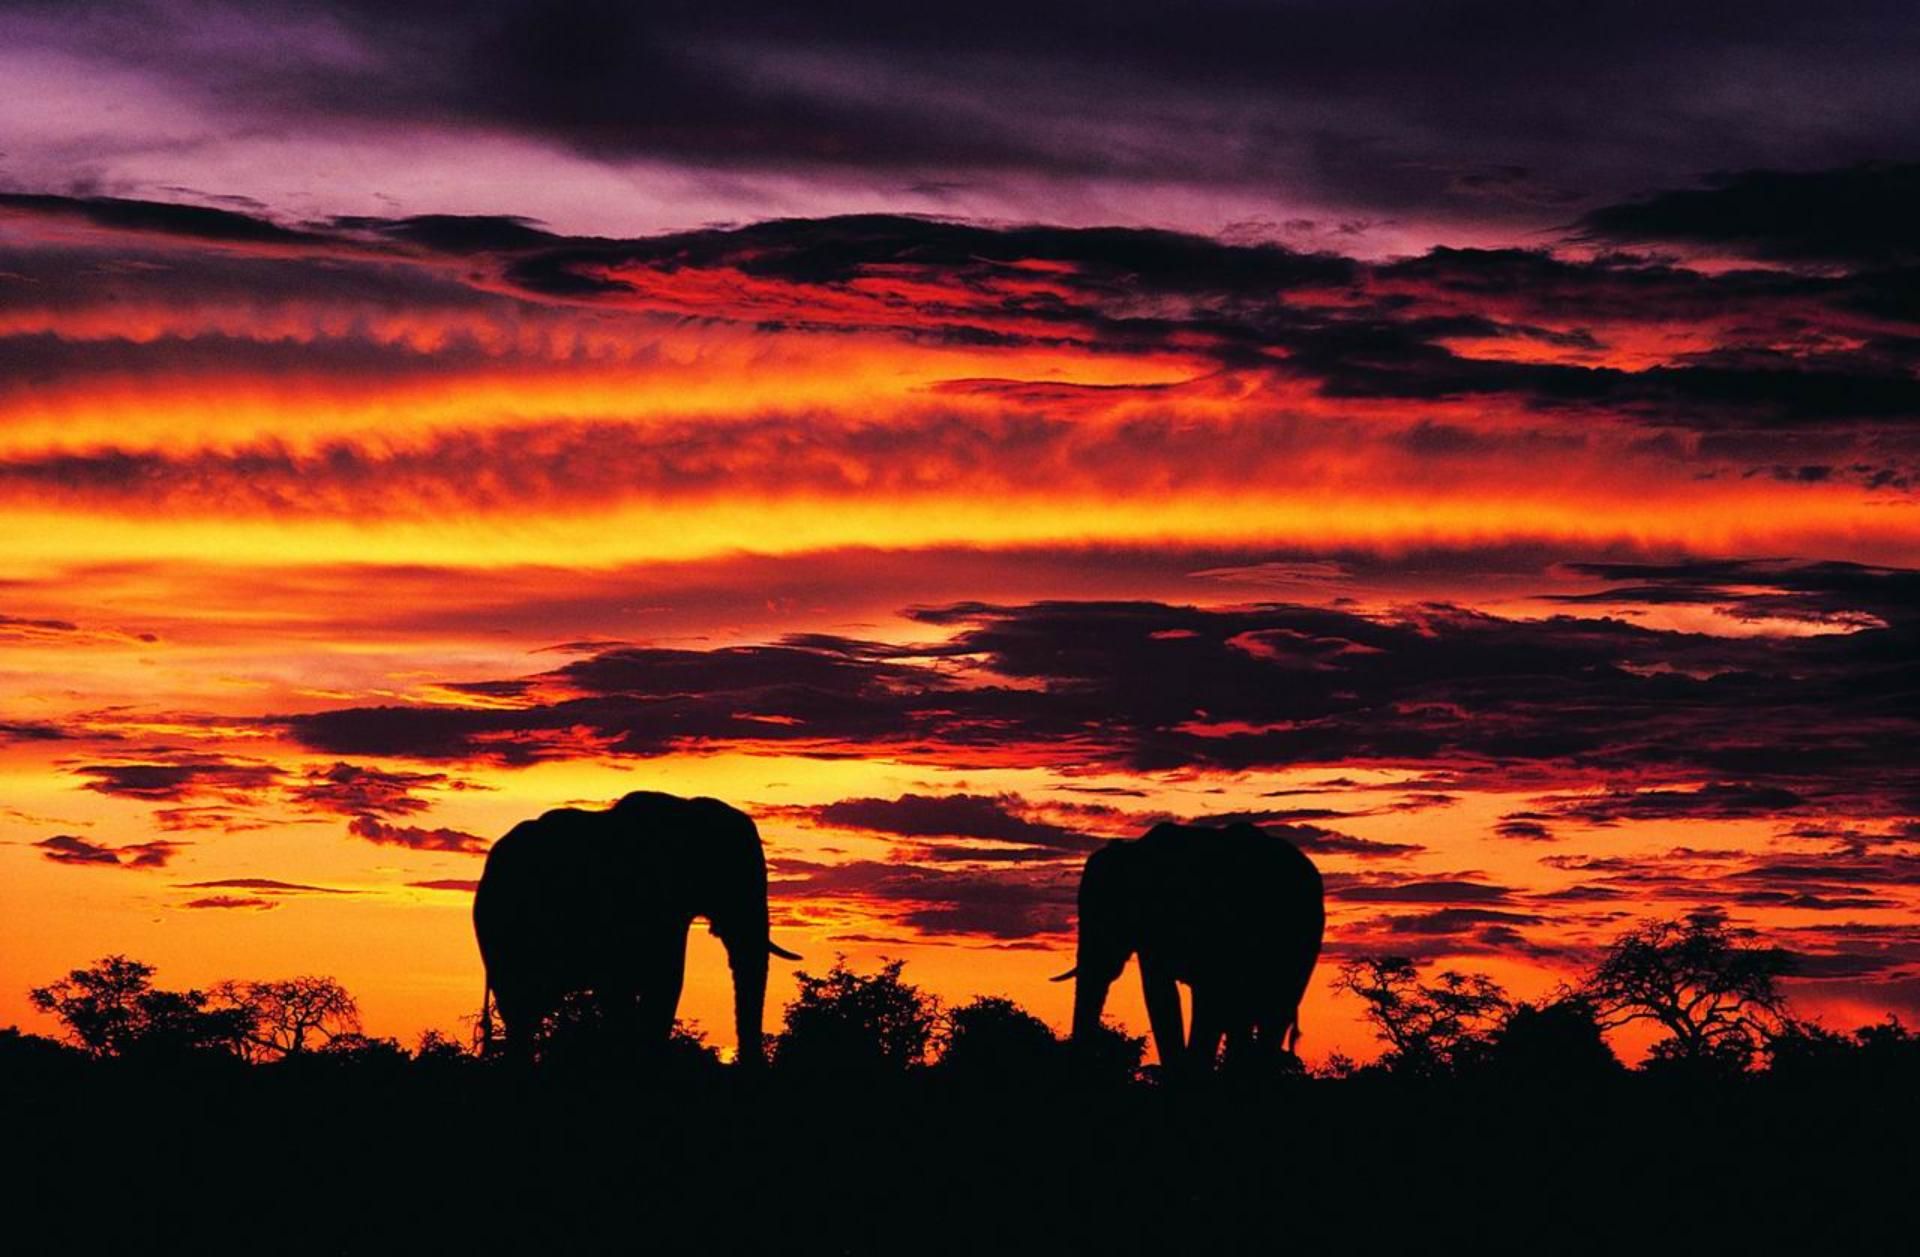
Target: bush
x,y
992,1039
852,1024
1559,1042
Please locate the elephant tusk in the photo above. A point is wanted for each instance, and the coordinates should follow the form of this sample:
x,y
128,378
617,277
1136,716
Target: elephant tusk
x,y
1071,973
782,952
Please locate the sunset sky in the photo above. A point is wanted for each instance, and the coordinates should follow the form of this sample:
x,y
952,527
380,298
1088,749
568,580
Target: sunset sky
x,y
1477,441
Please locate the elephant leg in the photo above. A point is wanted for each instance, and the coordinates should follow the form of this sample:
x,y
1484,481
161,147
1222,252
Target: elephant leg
x,y
1163,1011
519,1021
1241,1043
619,1006
660,991
1203,1043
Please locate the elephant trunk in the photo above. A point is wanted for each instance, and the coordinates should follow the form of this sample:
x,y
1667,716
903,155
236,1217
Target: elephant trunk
x,y
748,960
1089,1001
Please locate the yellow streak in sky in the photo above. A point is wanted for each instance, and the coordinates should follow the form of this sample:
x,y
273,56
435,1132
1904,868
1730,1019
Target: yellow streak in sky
x,y
1753,518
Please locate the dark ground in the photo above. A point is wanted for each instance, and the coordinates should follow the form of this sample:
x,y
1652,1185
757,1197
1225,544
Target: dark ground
x,y
114,1159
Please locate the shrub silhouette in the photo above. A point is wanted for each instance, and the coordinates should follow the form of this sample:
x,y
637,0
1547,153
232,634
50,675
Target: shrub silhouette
x,y
846,1023
1881,1054
576,1036
1559,1042
993,1039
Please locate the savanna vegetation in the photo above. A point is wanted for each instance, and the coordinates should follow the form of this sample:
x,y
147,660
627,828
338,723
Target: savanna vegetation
x,y
259,1114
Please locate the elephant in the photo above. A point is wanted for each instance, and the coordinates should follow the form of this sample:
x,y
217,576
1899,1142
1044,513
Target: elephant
x,y
600,902
1235,913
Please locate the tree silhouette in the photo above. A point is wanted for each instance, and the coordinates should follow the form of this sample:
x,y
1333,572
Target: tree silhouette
x,y
1717,996
285,1014
112,1009
1430,1028
855,1024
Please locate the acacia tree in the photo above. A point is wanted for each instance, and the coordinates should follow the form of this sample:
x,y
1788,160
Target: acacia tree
x,y
112,1009
1716,994
1430,1028
286,1014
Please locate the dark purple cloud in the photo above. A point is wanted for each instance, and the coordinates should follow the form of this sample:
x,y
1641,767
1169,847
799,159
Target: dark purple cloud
x,y
375,830
180,777
1012,903
1393,108
1415,890
70,849
357,789
996,818
265,886
1708,726
229,901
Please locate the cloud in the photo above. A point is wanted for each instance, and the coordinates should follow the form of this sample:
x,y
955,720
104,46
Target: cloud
x,y
156,218
230,901
1560,703
1003,903
1025,105
375,830
1433,890
265,886
1856,215
461,885
180,777
1314,838
69,849
356,789
1456,921
1711,801
996,818
31,731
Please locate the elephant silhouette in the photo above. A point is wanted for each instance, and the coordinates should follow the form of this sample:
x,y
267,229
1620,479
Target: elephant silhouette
x,y
600,902
1235,913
